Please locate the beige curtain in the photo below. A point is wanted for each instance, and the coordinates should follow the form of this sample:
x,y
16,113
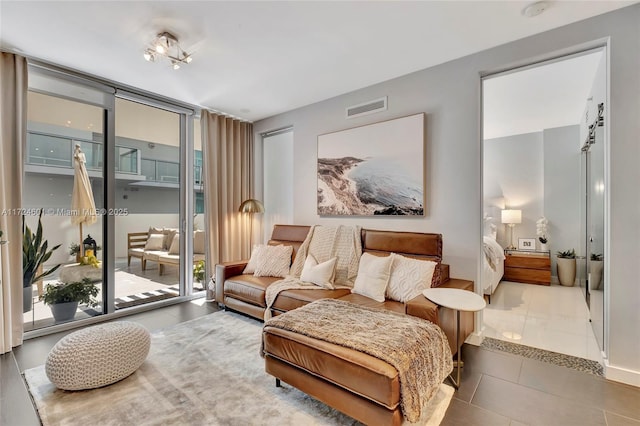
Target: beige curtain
x,y
227,146
13,125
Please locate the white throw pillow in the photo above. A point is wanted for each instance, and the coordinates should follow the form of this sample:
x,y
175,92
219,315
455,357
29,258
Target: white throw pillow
x,y
409,277
253,261
154,242
274,261
319,274
175,245
373,276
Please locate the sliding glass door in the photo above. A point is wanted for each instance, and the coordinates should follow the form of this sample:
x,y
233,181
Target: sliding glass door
x,y
59,133
147,204
146,232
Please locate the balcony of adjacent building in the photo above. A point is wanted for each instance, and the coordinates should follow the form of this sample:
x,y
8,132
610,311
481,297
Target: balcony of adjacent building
x,y
53,155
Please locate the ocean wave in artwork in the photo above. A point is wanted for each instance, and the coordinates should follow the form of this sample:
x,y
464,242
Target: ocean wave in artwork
x,y
371,186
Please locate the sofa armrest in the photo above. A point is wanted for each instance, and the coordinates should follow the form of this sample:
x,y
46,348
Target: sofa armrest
x,y
422,307
223,271
444,273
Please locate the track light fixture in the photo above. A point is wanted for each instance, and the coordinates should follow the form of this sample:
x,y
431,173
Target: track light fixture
x,y
167,45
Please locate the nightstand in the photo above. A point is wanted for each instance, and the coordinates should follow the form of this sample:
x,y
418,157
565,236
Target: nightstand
x,y
532,267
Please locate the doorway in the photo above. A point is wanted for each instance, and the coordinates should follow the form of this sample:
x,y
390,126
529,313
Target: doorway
x,y
543,193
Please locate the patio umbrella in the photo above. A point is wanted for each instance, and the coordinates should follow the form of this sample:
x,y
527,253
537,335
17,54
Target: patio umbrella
x,y
83,207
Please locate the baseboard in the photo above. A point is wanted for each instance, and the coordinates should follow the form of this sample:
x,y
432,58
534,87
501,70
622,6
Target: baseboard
x,y
622,375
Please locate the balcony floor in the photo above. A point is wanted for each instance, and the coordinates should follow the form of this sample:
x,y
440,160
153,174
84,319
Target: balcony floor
x,y
133,287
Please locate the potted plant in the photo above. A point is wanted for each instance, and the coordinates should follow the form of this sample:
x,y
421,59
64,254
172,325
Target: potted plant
x,y
35,252
63,298
567,267
596,265
541,232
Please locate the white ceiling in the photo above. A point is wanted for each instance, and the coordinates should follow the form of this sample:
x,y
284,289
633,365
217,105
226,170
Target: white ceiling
x,y
538,98
257,59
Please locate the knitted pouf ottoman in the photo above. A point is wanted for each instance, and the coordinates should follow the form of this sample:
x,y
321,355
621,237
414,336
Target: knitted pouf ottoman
x,y
97,356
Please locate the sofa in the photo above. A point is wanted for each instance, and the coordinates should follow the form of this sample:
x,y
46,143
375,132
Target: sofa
x,y
246,293
162,245
355,383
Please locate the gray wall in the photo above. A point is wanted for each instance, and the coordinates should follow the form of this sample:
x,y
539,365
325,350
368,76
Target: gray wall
x,y
562,185
449,94
514,178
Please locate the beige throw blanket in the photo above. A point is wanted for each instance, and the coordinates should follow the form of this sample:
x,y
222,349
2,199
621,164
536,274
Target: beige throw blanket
x,y
323,243
417,348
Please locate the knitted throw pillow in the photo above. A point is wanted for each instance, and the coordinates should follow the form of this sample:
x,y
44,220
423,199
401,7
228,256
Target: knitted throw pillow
x,y
274,261
409,277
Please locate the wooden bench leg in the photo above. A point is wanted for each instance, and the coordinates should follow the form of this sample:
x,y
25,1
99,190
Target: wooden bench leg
x,y
161,268
278,384
128,260
144,265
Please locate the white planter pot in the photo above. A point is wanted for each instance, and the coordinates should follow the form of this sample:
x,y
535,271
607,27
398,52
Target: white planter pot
x,y
544,247
595,274
566,271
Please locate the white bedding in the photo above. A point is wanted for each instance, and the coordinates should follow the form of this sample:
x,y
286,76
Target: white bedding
x,y
492,264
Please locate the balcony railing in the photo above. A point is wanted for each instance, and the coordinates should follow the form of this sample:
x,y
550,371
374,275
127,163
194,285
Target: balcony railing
x,y
51,150
56,151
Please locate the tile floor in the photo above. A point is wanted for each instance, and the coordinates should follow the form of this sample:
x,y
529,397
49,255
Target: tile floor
x,y
554,318
497,388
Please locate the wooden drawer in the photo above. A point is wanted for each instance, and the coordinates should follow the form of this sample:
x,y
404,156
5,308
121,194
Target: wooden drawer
x,y
524,275
529,262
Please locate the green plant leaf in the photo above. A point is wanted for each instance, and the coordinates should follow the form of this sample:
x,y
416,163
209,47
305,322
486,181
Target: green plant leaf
x,y
35,252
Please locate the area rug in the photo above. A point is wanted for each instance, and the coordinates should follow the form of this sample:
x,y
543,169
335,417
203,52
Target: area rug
x,y
206,371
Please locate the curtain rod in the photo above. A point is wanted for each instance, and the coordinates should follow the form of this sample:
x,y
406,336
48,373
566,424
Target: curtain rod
x,y
276,132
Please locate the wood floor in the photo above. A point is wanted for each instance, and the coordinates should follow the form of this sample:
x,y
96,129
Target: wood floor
x,y
497,388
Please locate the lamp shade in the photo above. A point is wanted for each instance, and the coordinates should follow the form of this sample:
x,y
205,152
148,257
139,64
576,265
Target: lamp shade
x,y
251,206
511,216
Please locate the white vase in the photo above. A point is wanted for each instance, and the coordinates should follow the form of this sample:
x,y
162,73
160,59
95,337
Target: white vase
x,y
544,247
566,271
595,274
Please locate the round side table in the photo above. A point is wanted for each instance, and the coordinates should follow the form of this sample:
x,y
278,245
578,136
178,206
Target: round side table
x,y
458,300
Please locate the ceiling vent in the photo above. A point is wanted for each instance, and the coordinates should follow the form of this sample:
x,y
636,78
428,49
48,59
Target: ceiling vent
x,y
367,108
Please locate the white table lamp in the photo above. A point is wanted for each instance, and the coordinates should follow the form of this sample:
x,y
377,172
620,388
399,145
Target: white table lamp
x,y
511,218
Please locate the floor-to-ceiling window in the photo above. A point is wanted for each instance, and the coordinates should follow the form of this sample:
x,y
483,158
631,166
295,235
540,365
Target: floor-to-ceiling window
x,y
146,190
199,242
278,179
55,127
147,199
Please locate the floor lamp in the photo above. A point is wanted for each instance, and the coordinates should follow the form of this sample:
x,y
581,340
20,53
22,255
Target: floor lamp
x,y
511,218
251,207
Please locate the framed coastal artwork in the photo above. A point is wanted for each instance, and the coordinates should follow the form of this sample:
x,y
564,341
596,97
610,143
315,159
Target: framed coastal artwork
x,y
376,169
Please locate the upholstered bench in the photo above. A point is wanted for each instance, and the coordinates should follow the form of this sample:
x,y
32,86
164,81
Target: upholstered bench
x,y
97,356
